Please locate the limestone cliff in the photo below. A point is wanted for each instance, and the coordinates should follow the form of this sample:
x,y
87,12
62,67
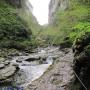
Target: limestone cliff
x,y
16,3
25,12
56,5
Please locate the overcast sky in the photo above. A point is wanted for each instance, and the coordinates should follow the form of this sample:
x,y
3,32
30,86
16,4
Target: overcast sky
x,y
40,10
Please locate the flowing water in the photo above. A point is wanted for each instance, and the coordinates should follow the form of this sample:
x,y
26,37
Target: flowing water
x,y
30,71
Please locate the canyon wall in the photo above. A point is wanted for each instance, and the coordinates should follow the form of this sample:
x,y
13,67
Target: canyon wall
x,y
21,4
72,20
16,3
56,5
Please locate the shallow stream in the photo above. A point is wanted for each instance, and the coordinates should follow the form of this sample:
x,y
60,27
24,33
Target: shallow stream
x,y
30,70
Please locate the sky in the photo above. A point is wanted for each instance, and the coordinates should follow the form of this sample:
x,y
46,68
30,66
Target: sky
x,y
40,10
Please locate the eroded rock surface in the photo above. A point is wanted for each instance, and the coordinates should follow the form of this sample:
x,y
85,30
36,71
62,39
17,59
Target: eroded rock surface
x,y
54,6
57,77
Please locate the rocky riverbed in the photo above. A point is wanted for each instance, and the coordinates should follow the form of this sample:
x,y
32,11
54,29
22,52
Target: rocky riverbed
x,y
19,70
58,76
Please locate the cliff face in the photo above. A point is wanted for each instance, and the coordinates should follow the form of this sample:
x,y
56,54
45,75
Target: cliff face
x,y
25,12
21,3
16,3
56,5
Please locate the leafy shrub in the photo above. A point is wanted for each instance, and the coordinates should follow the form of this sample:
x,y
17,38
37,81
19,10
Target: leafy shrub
x,y
13,31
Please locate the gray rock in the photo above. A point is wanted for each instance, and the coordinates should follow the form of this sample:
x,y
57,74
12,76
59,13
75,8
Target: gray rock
x,y
55,5
14,54
19,61
32,58
2,66
6,72
2,60
16,65
7,62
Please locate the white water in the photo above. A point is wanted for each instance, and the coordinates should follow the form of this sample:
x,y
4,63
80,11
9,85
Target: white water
x,y
30,71
33,70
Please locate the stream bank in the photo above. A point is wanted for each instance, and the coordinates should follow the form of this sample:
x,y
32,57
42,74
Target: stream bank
x,y
26,67
58,76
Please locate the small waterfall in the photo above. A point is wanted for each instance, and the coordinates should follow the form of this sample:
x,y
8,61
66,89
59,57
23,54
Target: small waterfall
x,y
30,71
49,60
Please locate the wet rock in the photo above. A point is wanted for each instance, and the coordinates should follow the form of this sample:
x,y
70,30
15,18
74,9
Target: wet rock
x,y
19,61
2,60
2,66
20,78
24,53
33,58
6,72
59,74
16,65
6,62
14,53
41,61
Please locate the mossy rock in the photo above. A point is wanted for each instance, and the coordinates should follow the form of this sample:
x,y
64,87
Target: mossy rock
x,y
81,41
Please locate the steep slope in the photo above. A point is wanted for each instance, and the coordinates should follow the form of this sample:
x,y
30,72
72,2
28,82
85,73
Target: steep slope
x,y
65,18
16,3
12,28
57,77
55,6
73,24
16,24
26,14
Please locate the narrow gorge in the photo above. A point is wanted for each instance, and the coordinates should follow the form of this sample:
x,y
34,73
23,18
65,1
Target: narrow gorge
x,y
53,56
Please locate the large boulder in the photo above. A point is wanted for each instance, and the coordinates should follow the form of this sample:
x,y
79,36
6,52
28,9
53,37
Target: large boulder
x,y
7,72
2,66
33,58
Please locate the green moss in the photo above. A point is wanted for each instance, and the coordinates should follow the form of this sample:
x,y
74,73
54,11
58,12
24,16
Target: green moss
x,y
79,30
83,38
81,42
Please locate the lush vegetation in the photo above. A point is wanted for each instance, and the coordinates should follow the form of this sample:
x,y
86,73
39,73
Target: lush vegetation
x,y
17,25
70,22
13,31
